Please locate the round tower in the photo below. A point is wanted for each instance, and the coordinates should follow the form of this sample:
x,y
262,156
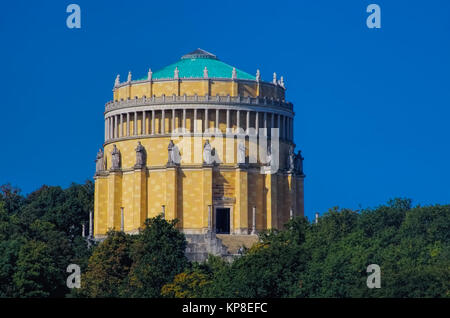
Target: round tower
x,y
200,141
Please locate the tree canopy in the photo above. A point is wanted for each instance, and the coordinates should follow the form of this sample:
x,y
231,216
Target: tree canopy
x,y
40,235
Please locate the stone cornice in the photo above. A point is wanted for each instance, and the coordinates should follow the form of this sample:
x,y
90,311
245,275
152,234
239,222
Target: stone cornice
x,y
169,102
221,79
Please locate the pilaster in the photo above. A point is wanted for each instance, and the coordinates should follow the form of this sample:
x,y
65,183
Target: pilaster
x,y
139,211
241,210
114,199
271,200
171,192
207,176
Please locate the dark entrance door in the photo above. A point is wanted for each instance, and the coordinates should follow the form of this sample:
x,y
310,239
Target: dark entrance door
x,y
223,220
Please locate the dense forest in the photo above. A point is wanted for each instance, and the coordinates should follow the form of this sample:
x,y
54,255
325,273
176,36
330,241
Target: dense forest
x,y
40,235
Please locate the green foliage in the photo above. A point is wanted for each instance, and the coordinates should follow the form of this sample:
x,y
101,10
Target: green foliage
x,y
108,267
138,265
158,255
329,259
40,235
189,284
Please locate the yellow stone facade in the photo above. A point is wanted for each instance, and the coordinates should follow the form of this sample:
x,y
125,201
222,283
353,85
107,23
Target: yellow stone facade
x,y
193,191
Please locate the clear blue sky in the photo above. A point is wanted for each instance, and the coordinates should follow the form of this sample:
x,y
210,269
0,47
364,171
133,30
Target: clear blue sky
x,y
372,105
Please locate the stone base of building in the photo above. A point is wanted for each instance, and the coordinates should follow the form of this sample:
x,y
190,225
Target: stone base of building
x,y
201,245
224,245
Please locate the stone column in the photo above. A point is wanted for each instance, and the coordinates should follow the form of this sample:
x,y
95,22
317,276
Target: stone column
x,y
128,124
278,125
173,119
107,128
153,122
206,119
195,120
228,121
135,124
163,122
238,120
272,122
217,118
121,125
247,123
257,123
265,124
143,123
184,119
91,224
116,130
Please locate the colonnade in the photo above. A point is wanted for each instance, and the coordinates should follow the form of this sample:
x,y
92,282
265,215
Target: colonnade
x,y
164,121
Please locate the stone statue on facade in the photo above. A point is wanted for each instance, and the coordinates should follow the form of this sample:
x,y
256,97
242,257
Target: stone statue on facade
x,y
299,162
170,150
99,163
115,158
290,159
140,156
241,153
269,155
205,72
207,156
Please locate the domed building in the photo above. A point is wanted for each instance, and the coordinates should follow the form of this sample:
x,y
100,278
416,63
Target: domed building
x,y
203,142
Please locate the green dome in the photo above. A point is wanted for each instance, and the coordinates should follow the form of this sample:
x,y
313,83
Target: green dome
x,y
192,65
